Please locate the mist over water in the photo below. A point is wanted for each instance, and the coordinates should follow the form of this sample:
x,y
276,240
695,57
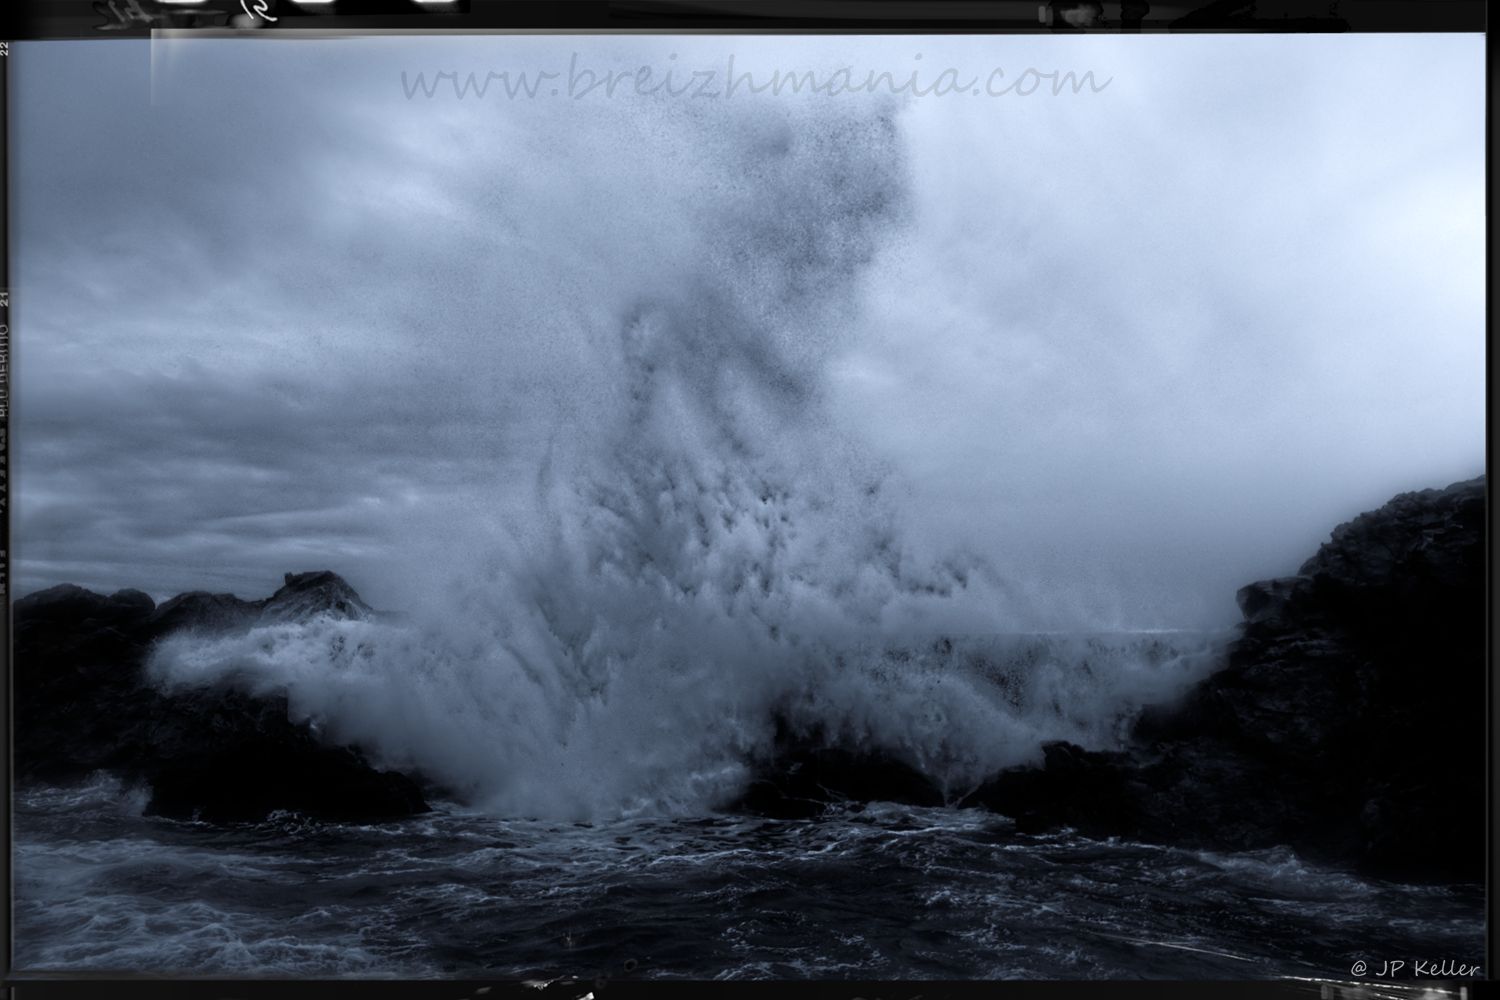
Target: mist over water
x,y
691,550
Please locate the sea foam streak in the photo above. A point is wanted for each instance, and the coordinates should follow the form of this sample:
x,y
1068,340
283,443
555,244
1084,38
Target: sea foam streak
x,y
695,550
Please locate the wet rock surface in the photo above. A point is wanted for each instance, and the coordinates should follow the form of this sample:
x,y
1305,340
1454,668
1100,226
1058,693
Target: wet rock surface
x,y
1348,722
83,704
804,774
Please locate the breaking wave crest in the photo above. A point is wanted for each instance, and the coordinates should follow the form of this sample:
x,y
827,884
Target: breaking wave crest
x,y
698,547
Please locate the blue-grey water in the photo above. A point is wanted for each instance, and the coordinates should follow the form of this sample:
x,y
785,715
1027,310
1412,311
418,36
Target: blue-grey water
x,y
883,892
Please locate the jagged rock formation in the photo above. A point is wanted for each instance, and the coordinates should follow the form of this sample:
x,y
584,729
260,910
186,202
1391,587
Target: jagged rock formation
x,y
82,704
302,597
805,774
1348,723
306,595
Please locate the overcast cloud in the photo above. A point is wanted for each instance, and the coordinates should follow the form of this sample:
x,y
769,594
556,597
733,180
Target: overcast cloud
x,y
1136,346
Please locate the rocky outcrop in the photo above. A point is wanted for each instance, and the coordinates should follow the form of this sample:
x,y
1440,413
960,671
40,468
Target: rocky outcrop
x,y
210,612
306,595
67,603
82,704
221,755
1348,722
806,772
302,597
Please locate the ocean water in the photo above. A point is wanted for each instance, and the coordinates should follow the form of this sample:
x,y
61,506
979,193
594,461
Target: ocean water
x,y
879,892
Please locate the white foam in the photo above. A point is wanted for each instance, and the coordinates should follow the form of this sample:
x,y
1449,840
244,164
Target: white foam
x,y
693,546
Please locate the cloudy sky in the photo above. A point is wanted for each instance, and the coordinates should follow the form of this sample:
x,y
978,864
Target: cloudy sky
x,y
1136,345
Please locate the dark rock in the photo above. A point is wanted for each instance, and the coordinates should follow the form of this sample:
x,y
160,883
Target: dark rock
x,y
767,796
1347,723
1268,598
82,704
205,612
307,595
134,599
221,755
250,783
806,773
71,604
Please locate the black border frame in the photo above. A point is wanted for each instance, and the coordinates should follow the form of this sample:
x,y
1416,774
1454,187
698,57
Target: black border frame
x,y
78,19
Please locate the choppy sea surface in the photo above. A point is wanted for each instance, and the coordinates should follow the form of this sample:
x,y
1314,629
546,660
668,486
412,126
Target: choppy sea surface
x,y
882,892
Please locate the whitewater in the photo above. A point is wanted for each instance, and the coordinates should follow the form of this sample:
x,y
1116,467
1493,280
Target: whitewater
x,y
696,553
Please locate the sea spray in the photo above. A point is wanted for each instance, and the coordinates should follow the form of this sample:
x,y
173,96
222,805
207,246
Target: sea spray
x,y
651,728
686,547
